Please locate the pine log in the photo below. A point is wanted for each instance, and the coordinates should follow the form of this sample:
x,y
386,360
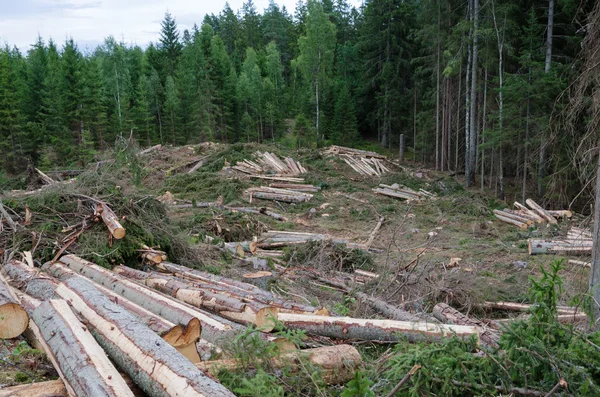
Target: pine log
x,y
214,329
225,305
560,213
279,178
374,232
346,328
581,232
241,289
540,211
519,224
13,318
51,388
263,211
150,149
86,369
580,263
29,280
449,315
530,213
516,217
177,335
47,180
396,194
525,307
551,246
523,214
112,222
152,363
286,198
337,363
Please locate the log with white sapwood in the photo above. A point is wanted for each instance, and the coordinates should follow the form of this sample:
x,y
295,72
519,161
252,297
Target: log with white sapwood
x,y
554,246
86,369
246,291
518,223
526,307
13,318
29,280
347,328
541,211
214,328
530,213
51,388
155,366
514,216
337,364
183,338
111,220
150,149
374,232
47,180
226,306
449,315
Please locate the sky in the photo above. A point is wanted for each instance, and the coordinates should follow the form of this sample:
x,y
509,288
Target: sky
x,y
88,22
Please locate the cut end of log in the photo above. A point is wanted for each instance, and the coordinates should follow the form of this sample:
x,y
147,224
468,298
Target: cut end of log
x,y
13,320
322,312
180,336
266,318
119,233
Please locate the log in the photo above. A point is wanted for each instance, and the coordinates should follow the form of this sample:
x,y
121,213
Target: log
x,y
374,232
263,211
13,318
286,198
523,214
225,305
199,279
176,335
550,246
47,180
214,329
337,363
580,263
540,211
346,328
6,216
152,363
512,215
279,178
396,194
560,213
86,369
51,388
111,221
525,307
519,224
150,149
29,280
385,308
530,213
449,315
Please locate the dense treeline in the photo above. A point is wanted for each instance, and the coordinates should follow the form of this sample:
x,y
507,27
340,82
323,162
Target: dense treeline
x,y
471,86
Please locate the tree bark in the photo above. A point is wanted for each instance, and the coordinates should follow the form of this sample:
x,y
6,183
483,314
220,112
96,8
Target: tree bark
x,y
51,388
214,329
595,272
152,363
548,63
13,318
86,369
346,328
337,363
473,111
29,280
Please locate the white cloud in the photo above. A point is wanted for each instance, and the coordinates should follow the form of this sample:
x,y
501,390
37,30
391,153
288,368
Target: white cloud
x,y
90,21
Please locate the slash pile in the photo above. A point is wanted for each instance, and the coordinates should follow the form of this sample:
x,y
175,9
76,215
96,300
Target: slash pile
x,y
269,163
404,192
362,161
578,241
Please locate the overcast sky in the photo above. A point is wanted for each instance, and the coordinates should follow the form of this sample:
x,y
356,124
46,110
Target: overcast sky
x,y
90,21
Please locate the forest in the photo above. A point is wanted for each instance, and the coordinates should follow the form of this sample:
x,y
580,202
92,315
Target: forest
x,y
472,87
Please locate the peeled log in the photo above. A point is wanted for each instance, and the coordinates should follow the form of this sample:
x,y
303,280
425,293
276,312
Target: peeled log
x,y
530,214
179,336
112,222
374,330
86,369
13,318
244,290
337,363
541,211
155,366
226,306
519,224
450,315
385,308
51,388
214,329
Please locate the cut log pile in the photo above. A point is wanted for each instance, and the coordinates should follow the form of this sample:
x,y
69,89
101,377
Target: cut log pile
x,y
269,164
276,194
577,242
523,217
362,161
405,193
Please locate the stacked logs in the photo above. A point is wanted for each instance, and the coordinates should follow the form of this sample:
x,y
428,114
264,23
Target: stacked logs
x,y
269,163
405,193
577,242
362,161
523,217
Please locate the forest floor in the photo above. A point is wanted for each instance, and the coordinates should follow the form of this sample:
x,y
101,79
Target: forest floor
x,y
415,246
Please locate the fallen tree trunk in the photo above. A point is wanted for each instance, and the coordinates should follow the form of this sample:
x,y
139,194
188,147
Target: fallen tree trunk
x,y
530,213
346,328
13,318
337,363
179,336
514,216
226,306
374,232
152,363
526,307
541,211
449,315
263,211
29,280
536,247
86,369
214,329
519,224
560,213
385,308
286,198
